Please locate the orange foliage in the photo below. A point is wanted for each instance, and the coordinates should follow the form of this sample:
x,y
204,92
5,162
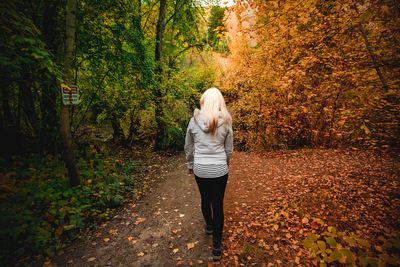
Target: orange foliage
x,y
315,73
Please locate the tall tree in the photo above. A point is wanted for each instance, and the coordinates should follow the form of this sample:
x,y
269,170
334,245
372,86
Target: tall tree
x,y
158,55
69,155
310,79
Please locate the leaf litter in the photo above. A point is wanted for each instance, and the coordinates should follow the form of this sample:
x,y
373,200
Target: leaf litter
x,y
293,193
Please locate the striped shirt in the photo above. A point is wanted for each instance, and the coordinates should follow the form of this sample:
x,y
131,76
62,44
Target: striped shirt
x,y
210,170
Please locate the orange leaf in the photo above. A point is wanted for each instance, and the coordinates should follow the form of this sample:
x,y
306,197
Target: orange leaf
x,y
175,250
314,225
190,245
106,239
140,220
140,254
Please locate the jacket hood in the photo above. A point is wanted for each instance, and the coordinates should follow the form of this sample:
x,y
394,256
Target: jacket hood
x,y
198,119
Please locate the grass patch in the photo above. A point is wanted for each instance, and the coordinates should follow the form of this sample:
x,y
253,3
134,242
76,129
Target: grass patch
x,y
254,254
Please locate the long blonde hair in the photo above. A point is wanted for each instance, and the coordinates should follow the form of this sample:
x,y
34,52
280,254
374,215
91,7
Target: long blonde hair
x,y
212,104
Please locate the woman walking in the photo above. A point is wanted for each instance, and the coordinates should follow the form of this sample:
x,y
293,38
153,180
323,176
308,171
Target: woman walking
x,y
208,148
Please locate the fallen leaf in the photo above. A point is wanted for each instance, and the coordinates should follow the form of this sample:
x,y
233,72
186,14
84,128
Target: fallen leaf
x,y
190,245
140,220
304,220
106,239
91,259
140,254
175,250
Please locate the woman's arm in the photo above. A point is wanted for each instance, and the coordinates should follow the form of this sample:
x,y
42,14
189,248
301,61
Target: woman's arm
x,y
189,145
229,144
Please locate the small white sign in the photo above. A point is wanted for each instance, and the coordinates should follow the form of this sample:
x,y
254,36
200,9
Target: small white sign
x,y
70,95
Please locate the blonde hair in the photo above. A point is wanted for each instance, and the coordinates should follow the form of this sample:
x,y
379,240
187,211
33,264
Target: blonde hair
x,y
212,104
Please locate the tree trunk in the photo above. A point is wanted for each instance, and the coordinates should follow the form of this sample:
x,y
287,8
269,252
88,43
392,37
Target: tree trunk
x,y
8,118
171,42
69,155
118,135
26,98
48,131
159,35
133,129
158,71
372,55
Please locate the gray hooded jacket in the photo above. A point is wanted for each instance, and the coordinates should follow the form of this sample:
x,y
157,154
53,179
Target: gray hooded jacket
x,y
208,148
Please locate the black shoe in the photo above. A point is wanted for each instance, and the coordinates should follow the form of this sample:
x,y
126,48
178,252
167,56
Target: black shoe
x,y
217,253
209,229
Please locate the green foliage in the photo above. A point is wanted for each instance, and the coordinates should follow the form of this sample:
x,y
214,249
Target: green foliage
x,y
340,247
255,252
39,208
215,25
182,93
21,44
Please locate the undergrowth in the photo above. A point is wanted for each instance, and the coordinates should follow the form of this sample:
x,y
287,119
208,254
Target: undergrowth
x,y
39,210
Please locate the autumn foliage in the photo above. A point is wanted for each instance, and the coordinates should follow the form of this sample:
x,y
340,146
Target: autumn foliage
x,y
315,73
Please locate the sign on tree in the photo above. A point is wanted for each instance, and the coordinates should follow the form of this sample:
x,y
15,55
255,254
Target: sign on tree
x,y
70,94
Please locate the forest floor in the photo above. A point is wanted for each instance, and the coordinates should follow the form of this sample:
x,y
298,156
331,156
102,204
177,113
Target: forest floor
x,y
273,200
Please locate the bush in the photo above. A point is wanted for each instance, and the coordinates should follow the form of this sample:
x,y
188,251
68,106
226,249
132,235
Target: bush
x,y
39,209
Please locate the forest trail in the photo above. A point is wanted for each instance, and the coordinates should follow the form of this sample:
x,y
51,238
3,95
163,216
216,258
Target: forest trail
x,y
224,62
273,200
162,229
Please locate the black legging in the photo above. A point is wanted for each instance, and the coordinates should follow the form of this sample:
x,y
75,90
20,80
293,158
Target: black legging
x,y
212,192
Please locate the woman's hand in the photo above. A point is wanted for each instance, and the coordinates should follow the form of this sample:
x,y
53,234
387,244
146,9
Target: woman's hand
x,y
190,171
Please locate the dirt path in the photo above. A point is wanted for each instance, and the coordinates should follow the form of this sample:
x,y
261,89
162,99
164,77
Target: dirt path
x,y
223,61
271,203
155,231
